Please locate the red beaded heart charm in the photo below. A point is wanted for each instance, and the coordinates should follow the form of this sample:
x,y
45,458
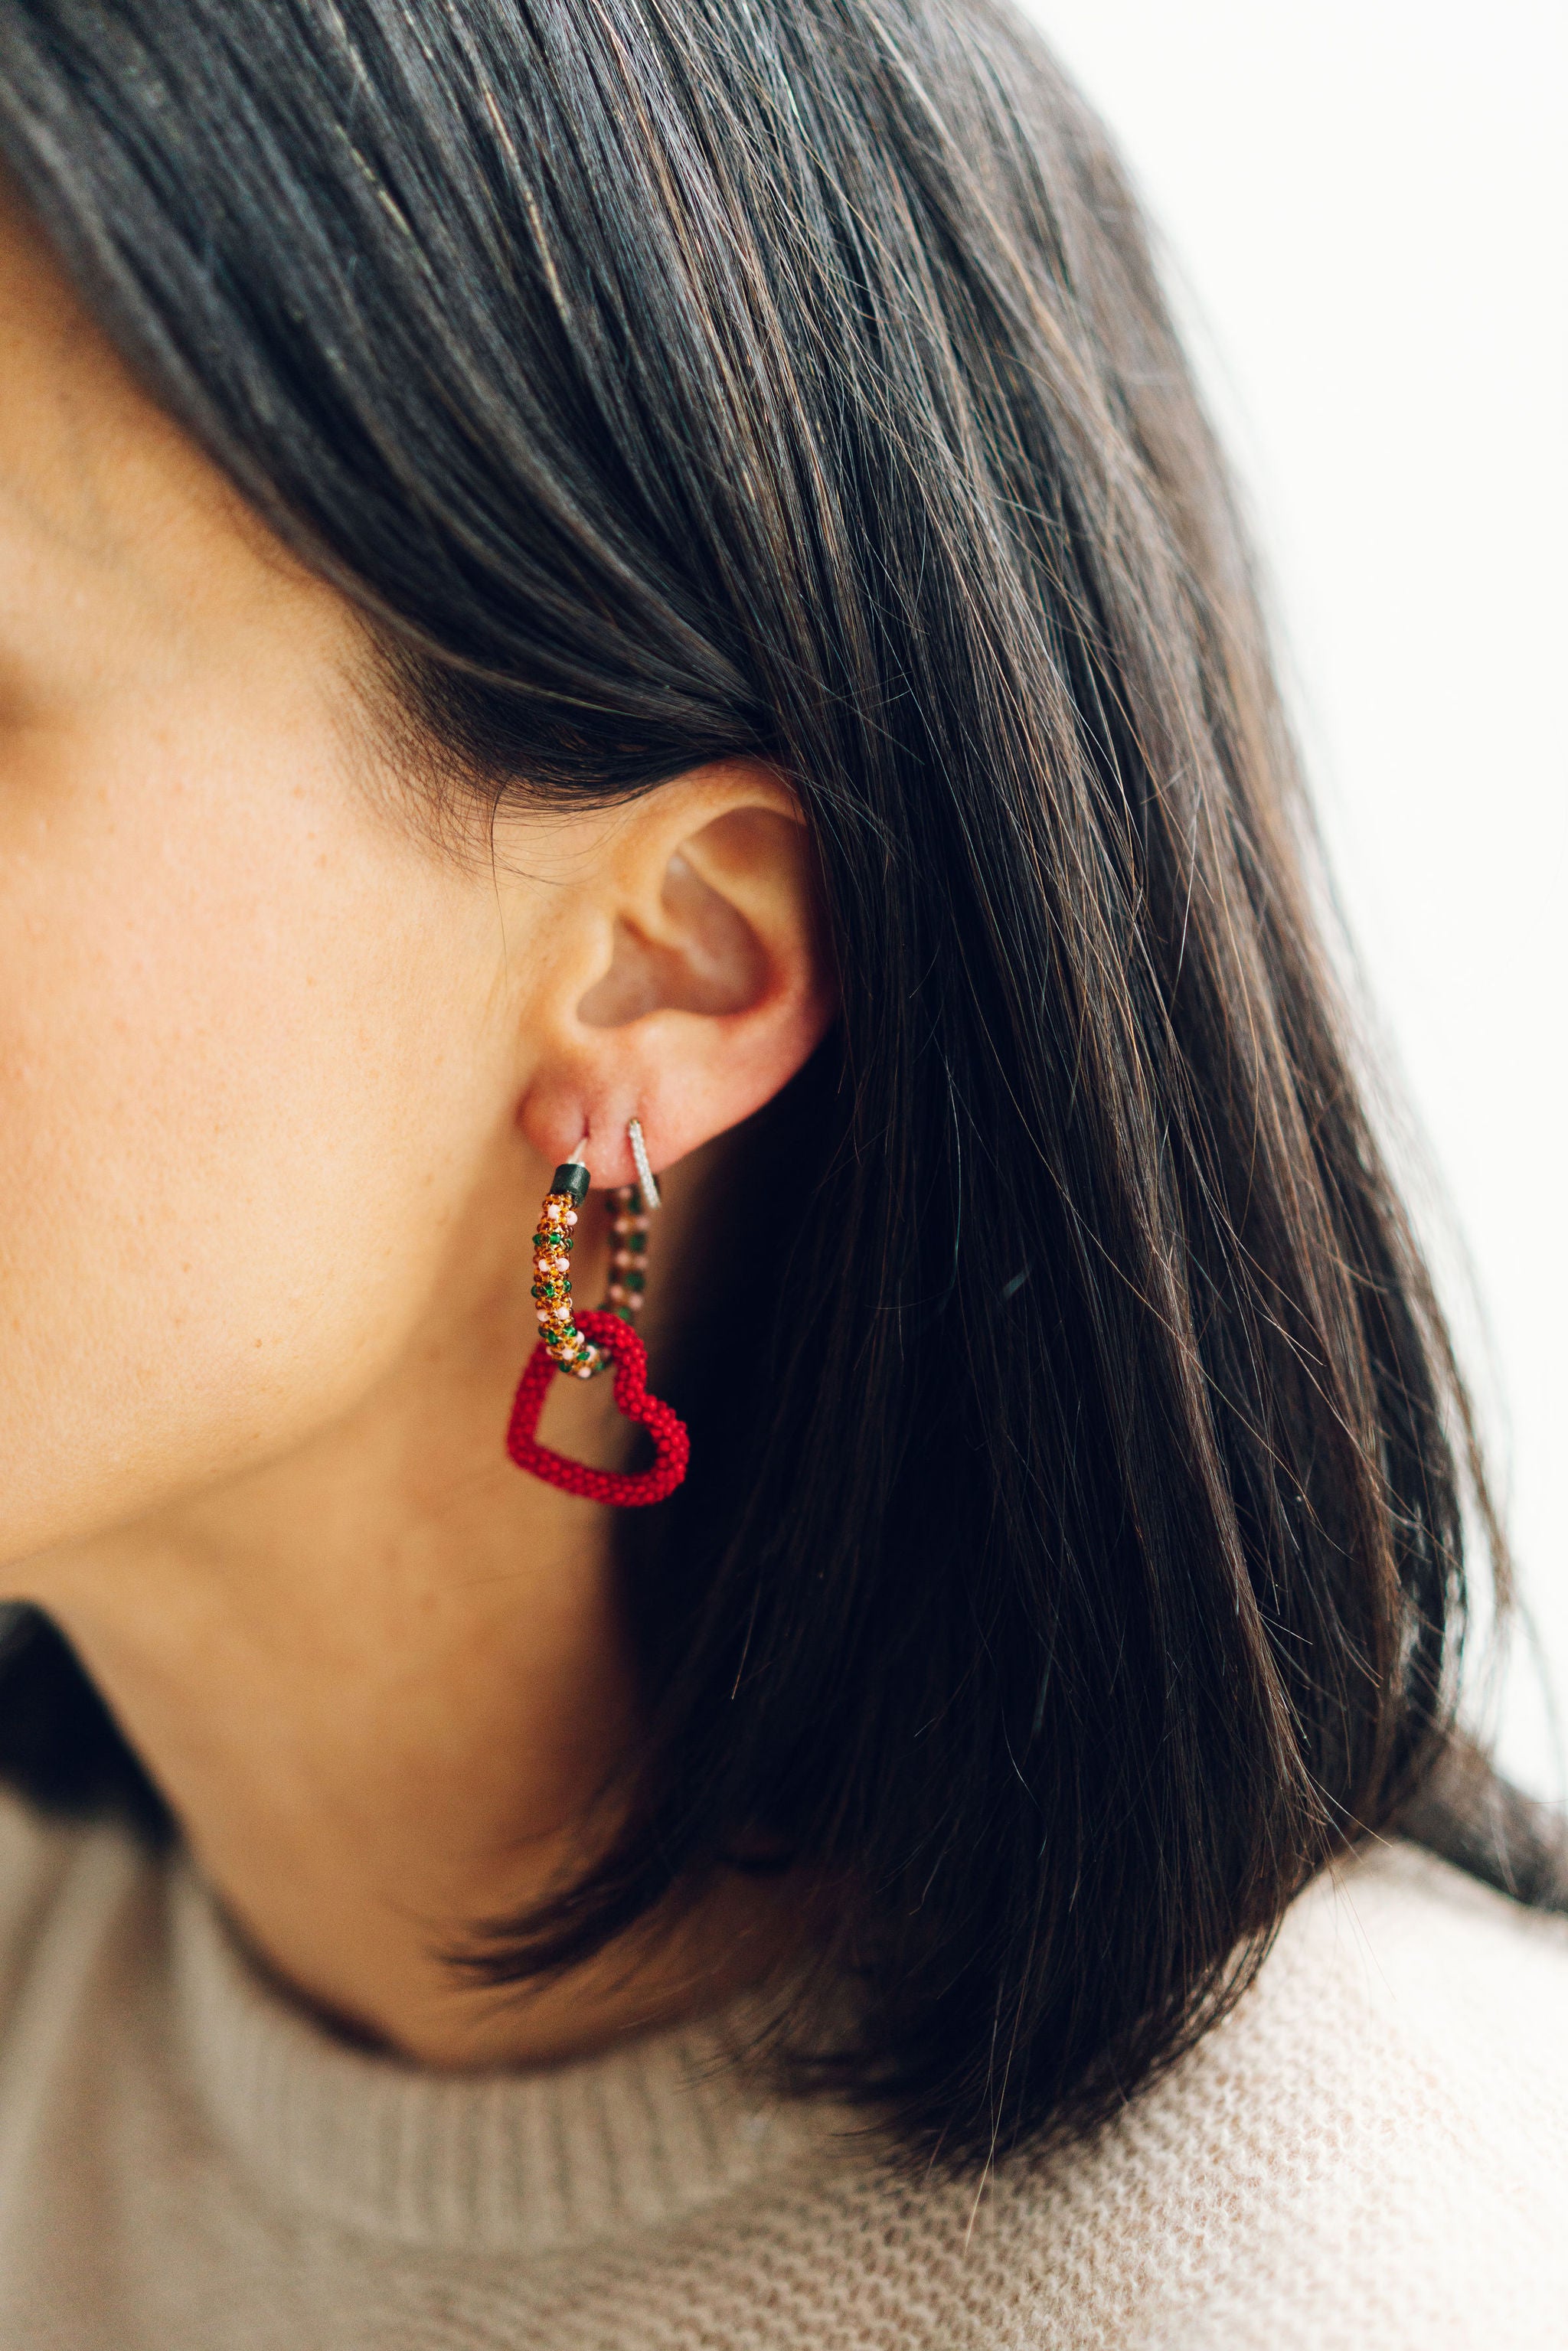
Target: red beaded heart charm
x,y
672,1445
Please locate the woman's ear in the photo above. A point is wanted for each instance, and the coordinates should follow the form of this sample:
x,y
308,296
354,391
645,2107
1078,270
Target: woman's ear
x,y
705,983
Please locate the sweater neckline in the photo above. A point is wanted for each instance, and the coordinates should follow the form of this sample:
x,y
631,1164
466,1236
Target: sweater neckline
x,y
509,2162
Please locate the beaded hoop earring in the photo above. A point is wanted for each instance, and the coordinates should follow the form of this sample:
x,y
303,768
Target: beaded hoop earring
x,y
581,1346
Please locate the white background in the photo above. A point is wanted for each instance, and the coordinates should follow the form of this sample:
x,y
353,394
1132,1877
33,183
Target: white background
x,y
1363,204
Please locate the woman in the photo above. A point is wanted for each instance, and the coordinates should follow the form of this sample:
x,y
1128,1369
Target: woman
x,y
647,575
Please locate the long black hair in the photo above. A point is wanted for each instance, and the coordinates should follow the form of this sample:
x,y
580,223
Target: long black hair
x,y
1074,1556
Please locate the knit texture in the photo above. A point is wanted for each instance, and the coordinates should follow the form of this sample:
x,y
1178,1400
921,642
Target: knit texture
x,y
1372,2150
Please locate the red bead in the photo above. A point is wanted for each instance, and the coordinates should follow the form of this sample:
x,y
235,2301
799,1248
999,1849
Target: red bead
x,y
671,1443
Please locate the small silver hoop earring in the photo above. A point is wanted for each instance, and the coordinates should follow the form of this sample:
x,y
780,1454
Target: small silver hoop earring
x,y
645,1182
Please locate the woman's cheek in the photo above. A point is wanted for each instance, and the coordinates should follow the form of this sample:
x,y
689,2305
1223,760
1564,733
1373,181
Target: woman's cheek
x,y
233,1119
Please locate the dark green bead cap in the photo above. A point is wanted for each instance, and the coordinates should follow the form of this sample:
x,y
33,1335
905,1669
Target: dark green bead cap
x,y
571,1178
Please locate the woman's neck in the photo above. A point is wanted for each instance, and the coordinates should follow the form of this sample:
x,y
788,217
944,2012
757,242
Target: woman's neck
x,y
385,1686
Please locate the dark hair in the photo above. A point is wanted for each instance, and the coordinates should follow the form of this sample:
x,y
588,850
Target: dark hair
x,y
1073,1558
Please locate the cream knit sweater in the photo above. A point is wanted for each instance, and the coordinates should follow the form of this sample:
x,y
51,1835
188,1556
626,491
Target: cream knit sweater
x,y
1371,2151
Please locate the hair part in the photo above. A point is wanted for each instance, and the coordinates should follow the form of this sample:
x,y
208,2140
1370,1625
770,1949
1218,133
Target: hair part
x,y
1074,1557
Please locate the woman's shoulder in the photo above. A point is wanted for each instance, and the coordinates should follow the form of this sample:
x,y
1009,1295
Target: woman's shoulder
x,y
1369,2152
1448,1968
1460,1992
1370,2149
1411,2016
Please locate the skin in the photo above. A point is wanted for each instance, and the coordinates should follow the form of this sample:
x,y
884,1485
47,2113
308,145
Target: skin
x,y
282,1080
